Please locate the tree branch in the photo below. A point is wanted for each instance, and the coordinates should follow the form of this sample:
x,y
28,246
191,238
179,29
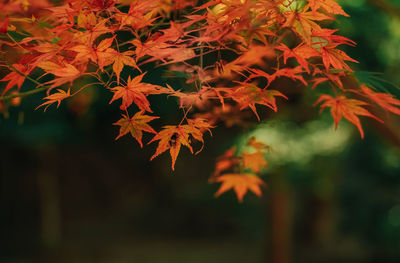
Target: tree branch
x,y
23,94
26,93
386,7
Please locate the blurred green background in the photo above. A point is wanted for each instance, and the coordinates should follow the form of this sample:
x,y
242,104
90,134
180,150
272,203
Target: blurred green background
x,y
70,193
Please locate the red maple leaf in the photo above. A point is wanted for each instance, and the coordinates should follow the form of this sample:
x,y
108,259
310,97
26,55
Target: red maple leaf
x,y
15,78
300,53
384,100
347,108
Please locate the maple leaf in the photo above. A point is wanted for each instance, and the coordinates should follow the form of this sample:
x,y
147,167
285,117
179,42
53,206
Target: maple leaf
x,y
335,57
240,183
254,161
347,108
135,92
301,53
135,126
188,99
257,145
196,127
254,55
329,5
292,73
247,95
200,124
328,34
173,137
84,53
173,33
103,55
172,54
89,36
48,50
87,19
384,100
226,161
121,59
147,48
334,77
55,97
139,15
63,73
15,78
303,23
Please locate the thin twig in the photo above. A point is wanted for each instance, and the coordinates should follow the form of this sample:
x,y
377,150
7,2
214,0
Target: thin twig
x,y
23,94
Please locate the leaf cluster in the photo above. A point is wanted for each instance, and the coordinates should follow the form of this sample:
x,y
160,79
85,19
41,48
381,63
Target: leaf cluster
x,y
231,54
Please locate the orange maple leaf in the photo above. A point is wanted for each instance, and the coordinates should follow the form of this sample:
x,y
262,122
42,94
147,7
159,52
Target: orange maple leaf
x,y
330,6
15,78
240,183
335,57
91,34
254,161
328,34
63,73
334,77
292,73
139,14
247,95
121,59
384,100
135,126
103,55
300,53
226,161
347,108
135,92
55,97
303,23
173,137
257,145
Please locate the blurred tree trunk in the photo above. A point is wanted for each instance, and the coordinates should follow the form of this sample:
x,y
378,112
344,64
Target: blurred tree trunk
x,y
49,198
324,216
281,220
